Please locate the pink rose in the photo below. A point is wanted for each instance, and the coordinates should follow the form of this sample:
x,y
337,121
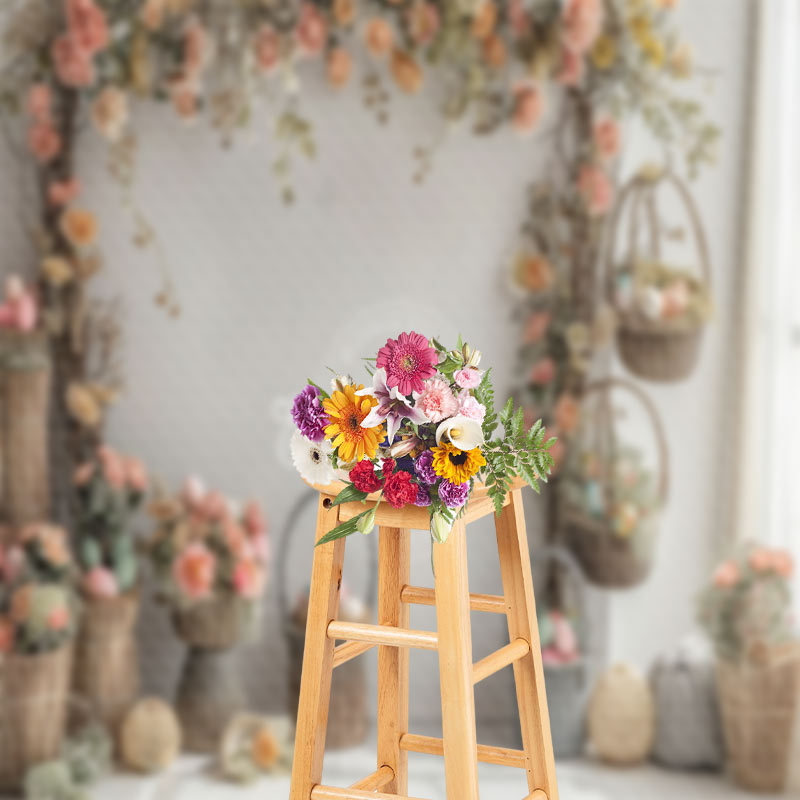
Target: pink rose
x,y
193,492
528,107
58,618
760,559
113,467
215,506
26,312
248,578
378,37
518,18
235,538
607,137
40,102
782,563
572,68
469,407
62,193
581,23
100,582
194,570
423,22
73,64
536,327
543,371
44,141
260,544
13,563
83,474
311,31
136,474
253,518
726,575
468,378
87,25
437,401
595,188
267,46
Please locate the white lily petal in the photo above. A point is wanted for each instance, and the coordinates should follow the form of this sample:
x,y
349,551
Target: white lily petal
x,y
373,419
392,424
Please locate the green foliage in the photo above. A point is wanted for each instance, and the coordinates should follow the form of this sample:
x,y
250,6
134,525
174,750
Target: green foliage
x,y
345,529
348,495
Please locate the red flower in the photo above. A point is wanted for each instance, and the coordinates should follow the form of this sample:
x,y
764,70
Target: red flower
x,y
364,478
399,490
388,467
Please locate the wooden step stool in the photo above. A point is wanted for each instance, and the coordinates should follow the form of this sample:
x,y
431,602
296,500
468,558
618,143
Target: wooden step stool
x,y
453,641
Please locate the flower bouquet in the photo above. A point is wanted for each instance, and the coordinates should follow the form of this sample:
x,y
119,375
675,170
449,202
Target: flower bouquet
x,y
38,611
109,489
211,565
422,434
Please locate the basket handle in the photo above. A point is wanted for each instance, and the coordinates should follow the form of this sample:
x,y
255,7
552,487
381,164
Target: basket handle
x,y
613,382
282,556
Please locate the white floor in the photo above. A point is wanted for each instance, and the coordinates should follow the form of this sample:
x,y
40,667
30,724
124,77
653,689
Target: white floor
x,y
192,779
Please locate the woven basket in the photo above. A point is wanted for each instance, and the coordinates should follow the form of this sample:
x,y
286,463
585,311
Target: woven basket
x,y
106,671
760,703
24,408
658,350
214,624
34,694
606,558
348,717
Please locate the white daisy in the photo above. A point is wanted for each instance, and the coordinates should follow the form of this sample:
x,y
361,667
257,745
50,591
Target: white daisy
x,y
312,459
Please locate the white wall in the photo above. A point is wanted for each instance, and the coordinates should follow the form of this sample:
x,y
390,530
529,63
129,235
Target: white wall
x,y
272,295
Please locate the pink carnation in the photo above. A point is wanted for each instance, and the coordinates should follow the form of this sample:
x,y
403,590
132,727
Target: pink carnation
x,y
607,137
595,188
194,570
74,66
100,582
469,407
581,23
437,400
468,378
311,31
248,578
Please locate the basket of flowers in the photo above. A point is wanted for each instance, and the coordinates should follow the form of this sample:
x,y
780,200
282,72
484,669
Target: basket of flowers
x,y
38,614
610,500
109,489
211,567
662,310
424,433
746,612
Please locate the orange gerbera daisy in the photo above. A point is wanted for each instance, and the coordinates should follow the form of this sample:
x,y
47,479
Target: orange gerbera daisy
x,y
347,411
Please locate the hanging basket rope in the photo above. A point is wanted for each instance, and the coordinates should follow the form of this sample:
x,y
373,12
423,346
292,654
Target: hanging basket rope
x,y
607,558
656,349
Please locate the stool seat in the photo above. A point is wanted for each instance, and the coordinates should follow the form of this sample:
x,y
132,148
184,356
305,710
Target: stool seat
x,y
452,641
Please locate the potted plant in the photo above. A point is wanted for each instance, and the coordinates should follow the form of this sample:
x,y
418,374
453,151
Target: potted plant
x,y
109,489
211,567
38,614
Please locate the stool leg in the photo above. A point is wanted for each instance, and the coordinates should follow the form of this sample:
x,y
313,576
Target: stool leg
x,y
393,575
455,666
515,567
315,684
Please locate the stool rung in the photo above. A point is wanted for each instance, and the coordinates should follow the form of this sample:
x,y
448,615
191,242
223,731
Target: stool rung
x,y
320,792
432,746
376,781
537,795
349,650
491,603
382,634
494,662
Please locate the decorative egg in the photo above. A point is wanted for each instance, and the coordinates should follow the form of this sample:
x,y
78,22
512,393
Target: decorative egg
x,y
650,302
150,736
621,718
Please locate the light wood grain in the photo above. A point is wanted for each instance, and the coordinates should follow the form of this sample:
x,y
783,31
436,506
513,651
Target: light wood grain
x,y
382,634
332,793
348,651
430,745
455,665
515,568
376,781
537,795
419,595
315,683
394,552
501,658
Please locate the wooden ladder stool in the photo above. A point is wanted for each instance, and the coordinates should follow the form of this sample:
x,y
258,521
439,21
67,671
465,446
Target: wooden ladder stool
x,y
452,640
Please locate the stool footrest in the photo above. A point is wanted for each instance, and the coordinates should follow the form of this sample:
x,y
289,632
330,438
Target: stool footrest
x,y
433,746
349,650
419,595
376,781
382,634
494,662
320,792
539,794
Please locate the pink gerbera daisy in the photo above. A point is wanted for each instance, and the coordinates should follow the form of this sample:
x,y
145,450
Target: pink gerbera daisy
x,y
408,361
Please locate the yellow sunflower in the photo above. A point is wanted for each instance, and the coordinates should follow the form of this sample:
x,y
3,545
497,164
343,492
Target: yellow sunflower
x,y
346,412
457,466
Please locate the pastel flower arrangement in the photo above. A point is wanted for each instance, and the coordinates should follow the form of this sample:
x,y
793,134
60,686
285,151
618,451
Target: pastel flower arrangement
x,y
109,489
38,606
202,549
746,608
420,435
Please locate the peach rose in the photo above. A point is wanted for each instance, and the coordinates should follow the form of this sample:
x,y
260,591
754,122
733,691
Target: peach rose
x,y
406,71
194,570
6,635
136,474
378,37
783,563
528,107
534,272
74,66
423,22
193,492
248,578
110,112
581,23
494,51
100,582
595,187
235,538
543,371
338,67
62,193
484,21
113,468
311,31
44,141
567,413
760,559
79,227
39,102
267,46
87,25
726,575
58,619
265,749
214,506
606,137
536,327
572,68
344,11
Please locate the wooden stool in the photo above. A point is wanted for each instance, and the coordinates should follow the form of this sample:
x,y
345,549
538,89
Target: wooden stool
x,y
453,641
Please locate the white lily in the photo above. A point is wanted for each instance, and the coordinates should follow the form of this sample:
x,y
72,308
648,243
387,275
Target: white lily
x,y
464,433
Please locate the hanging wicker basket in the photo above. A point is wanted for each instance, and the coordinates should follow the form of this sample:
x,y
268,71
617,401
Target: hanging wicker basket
x,y
760,702
655,348
608,559
348,717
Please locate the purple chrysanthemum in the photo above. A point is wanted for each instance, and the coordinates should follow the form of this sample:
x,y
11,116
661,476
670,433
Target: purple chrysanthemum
x,y
453,495
423,498
308,414
423,466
